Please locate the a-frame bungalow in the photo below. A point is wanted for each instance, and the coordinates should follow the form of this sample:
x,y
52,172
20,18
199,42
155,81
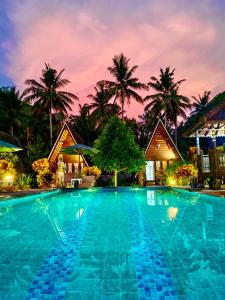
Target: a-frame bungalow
x,y
66,138
160,152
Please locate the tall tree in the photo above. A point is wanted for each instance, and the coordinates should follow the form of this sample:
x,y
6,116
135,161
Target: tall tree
x,y
46,93
117,149
126,84
85,124
12,108
167,101
200,102
100,106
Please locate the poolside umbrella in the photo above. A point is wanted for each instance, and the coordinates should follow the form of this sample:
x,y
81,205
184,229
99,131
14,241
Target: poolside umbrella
x,y
79,149
7,147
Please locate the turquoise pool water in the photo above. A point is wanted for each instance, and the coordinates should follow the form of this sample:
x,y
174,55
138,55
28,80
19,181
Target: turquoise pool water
x,y
104,244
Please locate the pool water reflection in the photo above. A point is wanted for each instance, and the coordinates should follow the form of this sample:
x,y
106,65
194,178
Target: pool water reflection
x,y
106,244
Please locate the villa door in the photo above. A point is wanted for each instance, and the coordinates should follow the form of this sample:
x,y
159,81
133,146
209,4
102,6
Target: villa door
x,y
150,170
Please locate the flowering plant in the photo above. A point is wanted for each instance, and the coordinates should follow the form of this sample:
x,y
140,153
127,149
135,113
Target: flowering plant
x,y
184,173
8,163
94,171
41,165
44,176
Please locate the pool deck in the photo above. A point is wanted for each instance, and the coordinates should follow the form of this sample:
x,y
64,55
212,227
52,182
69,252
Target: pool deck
x,y
218,193
8,195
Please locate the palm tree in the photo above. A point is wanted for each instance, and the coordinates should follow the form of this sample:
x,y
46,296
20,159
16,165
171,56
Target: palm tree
x,y
11,107
167,102
100,107
46,94
125,85
178,107
85,125
200,102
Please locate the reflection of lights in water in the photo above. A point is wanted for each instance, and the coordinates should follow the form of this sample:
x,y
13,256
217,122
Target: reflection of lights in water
x,y
172,212
136,189
166,202
160,202
79,213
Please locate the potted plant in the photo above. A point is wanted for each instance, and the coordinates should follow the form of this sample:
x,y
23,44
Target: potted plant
x,y
90,174
206,182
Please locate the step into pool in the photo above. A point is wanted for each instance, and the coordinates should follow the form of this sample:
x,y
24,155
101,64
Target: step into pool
x,y
129,243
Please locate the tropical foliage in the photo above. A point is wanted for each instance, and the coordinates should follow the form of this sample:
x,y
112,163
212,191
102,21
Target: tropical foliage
x,y
92,171
201,102
118,150
36,115
24,181
46,95
184,173
125,84
8,165
180,173
43,175
167,103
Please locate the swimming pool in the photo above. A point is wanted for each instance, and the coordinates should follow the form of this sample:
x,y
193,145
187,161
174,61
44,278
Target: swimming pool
x,y
104,244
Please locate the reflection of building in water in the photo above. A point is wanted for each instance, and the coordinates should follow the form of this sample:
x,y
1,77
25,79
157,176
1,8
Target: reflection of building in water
x,y
172,212
151,198
209,211
154,199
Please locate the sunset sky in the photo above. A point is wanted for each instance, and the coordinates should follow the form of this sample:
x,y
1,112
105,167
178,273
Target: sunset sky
x,y
82,36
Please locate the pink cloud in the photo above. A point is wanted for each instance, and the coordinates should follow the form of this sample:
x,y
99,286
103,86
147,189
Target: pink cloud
x,y
84,40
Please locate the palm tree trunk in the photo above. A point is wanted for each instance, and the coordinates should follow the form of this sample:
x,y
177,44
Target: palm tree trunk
x,y
175,130
165,119
50,122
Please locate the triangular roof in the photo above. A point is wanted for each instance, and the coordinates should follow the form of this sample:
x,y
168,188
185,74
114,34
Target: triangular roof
x,y
210,117
161,146
64,133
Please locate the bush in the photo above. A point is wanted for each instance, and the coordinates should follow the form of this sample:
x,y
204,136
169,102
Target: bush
x,y
92,171
24,180
45,180
184,173
180,173
44,176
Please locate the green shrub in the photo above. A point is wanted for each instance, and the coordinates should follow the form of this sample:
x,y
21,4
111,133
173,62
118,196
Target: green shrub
x,y
24,180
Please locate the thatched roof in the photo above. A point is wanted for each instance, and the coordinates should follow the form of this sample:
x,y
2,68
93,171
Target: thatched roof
x,y
212,117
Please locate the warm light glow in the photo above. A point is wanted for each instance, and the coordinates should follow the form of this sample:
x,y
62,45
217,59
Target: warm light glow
x,y
8,178
171,181
79,213
172,212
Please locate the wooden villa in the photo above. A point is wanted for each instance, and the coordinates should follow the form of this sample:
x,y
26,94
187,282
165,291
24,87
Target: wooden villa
x,y
209,123
65,139
160,152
